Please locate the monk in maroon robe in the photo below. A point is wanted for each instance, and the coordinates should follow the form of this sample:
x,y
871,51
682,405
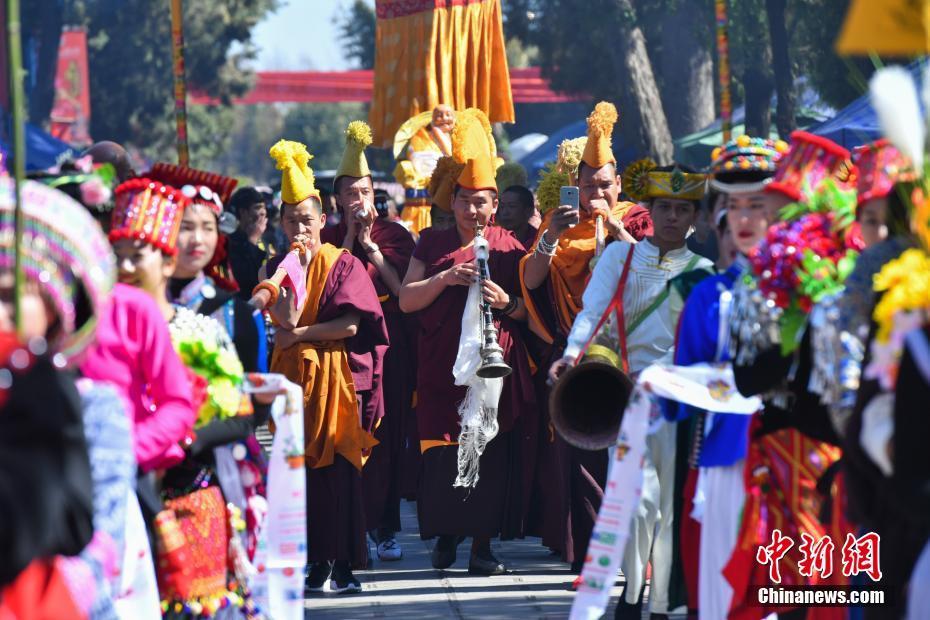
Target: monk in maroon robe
x,y
333,347
436,286
570,481
516,210
384,248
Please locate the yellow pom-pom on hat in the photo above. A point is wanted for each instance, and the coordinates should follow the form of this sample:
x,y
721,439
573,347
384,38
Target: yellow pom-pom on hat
x,y
548,192
297,182
569,154
597,150
354,162
471,147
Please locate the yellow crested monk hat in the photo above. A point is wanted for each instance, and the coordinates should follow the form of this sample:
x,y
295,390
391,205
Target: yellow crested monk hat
x,y
597,151
472,146
297,182
442,182
354,164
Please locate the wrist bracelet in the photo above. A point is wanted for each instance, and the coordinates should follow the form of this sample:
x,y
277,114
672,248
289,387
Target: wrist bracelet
x,y
268,285
544,247
510,307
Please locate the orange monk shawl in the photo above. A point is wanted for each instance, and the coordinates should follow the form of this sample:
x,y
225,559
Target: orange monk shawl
x,y
568,272
332,424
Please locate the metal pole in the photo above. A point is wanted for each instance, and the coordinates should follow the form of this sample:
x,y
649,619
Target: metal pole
x,y
180,88
14,58
723,69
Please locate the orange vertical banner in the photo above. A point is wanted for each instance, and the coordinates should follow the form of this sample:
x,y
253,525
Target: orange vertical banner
x,y
180,88
431,52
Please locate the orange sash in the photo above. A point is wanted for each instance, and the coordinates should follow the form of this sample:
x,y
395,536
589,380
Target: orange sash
x,y
332,424
568,272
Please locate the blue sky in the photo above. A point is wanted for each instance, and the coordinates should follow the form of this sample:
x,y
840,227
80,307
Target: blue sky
x,y
302,35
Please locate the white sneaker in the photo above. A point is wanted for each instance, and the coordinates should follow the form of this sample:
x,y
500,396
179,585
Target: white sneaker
x,y
389,550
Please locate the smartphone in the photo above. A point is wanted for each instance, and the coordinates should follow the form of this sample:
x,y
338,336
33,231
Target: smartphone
x,y
568,195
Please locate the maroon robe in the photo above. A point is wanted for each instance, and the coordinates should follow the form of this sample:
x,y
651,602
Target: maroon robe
x,y
569,486
336,524
383,474
529,238
497,506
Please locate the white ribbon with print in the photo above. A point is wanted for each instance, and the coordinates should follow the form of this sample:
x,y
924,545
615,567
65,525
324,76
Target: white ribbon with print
x,y
281,553
707,386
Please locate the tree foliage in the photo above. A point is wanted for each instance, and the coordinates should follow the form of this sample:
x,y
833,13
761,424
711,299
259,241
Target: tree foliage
x,y
357,33
815,25
812,27
131,84
321,126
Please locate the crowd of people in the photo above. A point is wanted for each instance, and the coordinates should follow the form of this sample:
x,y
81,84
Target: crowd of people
x,y
133,483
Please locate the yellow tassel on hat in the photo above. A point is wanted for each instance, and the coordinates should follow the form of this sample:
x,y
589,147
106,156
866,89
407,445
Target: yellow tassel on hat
x,y
548,192
471,147
569,154
292,159
597,151
354,163
442,182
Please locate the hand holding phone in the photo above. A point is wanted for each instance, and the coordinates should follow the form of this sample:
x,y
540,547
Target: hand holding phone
x,y
568,196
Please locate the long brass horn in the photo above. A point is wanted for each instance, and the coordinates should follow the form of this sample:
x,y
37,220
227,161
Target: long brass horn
x,y
493,365
587,402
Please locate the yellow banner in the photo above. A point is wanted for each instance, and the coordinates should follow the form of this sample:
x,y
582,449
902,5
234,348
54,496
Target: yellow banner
x,y
431,52
885,27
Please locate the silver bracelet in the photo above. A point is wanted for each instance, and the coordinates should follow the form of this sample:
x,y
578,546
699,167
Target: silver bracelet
x,y
544,247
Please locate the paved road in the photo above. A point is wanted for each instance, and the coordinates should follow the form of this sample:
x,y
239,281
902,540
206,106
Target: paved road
x,y
411,588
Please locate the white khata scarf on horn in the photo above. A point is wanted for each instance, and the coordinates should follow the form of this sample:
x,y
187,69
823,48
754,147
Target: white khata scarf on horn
x,y
478,412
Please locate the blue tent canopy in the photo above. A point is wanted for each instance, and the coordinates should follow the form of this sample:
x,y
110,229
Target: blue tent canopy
x,y
692,150
857,123
535,161
42,150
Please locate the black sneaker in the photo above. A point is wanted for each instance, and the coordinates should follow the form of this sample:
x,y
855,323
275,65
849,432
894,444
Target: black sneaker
x,y
343,581
317,575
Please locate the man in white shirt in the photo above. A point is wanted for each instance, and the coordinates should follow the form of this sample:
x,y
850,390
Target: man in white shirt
x,y
650,322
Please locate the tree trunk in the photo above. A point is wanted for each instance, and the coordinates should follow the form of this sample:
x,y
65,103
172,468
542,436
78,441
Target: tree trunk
x,y
758,86
641,102
687,68
781,64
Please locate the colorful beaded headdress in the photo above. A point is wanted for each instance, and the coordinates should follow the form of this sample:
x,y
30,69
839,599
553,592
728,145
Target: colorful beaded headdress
x,y
203,188
752,157
65,251
904,283
809,162
642,181
879,165
89,183
149,211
